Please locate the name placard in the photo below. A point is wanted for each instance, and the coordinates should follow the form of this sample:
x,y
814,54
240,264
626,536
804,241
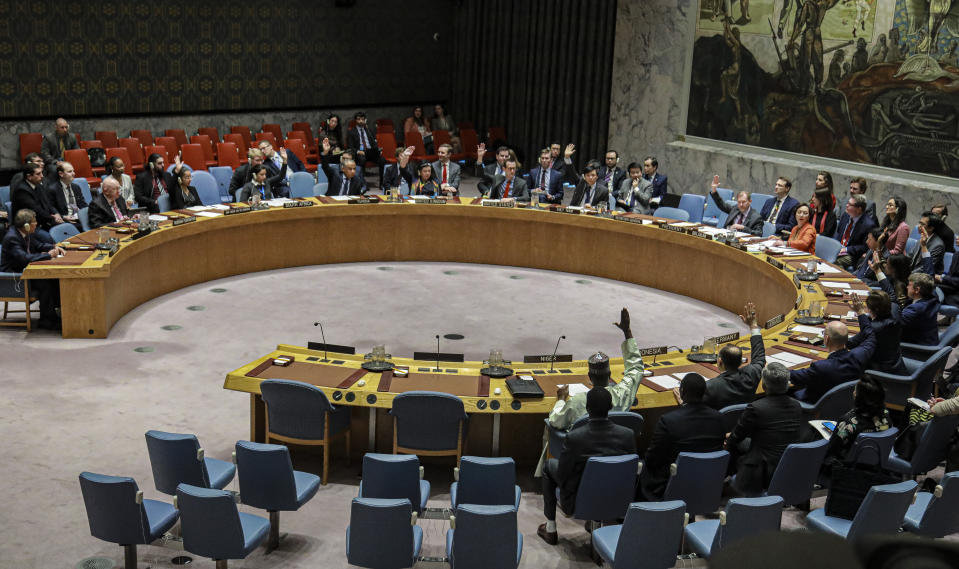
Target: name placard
x,y
796,281
236,210
290,205
497,203
702,235
727,338
736,245
547,358
563,209
657,351
774,321
774,263
629,219
113,249
362,200
182,220
432,201
674,228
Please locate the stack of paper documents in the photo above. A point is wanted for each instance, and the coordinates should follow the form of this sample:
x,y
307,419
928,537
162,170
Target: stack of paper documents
x,y
788,359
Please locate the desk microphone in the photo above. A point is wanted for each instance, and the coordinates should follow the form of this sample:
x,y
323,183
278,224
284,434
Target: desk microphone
x,y
437,353
553,359
323,335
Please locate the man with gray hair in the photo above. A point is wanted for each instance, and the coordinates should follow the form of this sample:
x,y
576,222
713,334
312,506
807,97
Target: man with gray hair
x,y
766,427
841,366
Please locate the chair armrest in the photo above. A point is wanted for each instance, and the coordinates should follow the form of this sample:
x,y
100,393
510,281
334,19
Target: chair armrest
x,y
199,454
5,275
920,351
139,497
673,469
456,473
452,521
883,376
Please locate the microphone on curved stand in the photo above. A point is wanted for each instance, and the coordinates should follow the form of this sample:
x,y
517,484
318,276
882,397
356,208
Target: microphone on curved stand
x,y
437,353
323,335
552,360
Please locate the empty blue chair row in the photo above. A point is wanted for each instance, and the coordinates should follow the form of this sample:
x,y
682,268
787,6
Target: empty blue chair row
x,y
744,517
917,383
483,536
178,459
693,204
213,527
63,231
882,512
933,514
382,533
827,248
206,186
672,213
648,538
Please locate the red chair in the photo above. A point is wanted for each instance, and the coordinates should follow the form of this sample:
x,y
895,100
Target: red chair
x,y
204,142
268,136
236,139
470,141
495,133
210,131
120,153
384,128
415,139
304,127
30,142
465,125
387,143
298,147
386,122
84,144
243,131
227,155
144,136
161,150
193,156
179,135
311,153
275,130
135,150
108,138
168,142
443,137
81,165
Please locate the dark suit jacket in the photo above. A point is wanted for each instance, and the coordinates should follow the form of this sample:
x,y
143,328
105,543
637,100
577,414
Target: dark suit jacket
x,y
950,282
936,250
143,189
824,221
59,203
50,149
691,428
600,194
857,239
659,184
918,322
888,333
393,174
177,201
273,184
786,218
335,177
841,366
102,214
948,238
554,185
738,386
25,197
13,252
353,139
753,222
618,175
519,191
598,437
772,423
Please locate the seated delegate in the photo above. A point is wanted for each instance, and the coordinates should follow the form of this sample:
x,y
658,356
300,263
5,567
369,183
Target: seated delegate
x,y
108,207
20,247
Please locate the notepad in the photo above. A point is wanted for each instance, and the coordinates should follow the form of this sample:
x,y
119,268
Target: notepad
x,y
198,208
577,388
834,284
807,329
208,214
156,217
827,269
219,206
665,381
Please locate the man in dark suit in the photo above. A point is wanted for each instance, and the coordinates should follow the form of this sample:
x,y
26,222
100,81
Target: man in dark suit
x,y
343,182
274,162
33,158
509,185
55,144
947,234
741,218
693,427
398,174
841,366
858,186
21,247
853,231
487,172
931,245
108,207
918,320
154,180
363,143
948,281
64,196
545,180
766,427
651,173
782,210
737,383
446,171
599,437
611,174
30,194
861,270
589,190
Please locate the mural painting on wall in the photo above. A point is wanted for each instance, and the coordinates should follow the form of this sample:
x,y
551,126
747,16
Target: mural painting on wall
x,y
872,81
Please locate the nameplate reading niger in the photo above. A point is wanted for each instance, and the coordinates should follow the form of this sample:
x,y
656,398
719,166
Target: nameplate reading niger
x,y
657,351
546,358
775,320
362,200
236,210
290,205
774,263
727,338
182,220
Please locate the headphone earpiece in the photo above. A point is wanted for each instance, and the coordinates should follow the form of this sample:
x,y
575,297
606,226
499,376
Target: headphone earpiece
x,y
26,227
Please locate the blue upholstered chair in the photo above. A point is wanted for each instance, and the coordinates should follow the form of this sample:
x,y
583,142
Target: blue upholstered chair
x,y
769,229
672,213
607,487
833,404
63,231
391,526
15,289
627,419
177,458
873,448
483,536
917,383
320,188
207,188
946,309
429,423
222,175
882,512
713,215
931,449
693,204
759,200
947,339
934,513
649,537
731,415
827,248
797,471
163,202
117,513
394,476
697,479
301,185
84,188
744,517
485,481
268,481
299,413
84,215
213,527
911,244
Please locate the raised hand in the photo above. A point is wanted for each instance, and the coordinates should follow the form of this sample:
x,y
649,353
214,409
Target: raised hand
x,y
326,146
480,151
570,149
624,323
283,154
857,306
750,315
715,184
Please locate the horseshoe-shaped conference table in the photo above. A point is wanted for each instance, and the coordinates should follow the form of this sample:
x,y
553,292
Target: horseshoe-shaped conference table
x,y
97,289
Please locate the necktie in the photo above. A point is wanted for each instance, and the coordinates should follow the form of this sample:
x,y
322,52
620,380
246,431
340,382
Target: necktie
x,y
739,218
609,176
847,233
71,200
61,147
116,212
345,189
586,199
775,211
506,191
262,192
444,173
542,179
156,187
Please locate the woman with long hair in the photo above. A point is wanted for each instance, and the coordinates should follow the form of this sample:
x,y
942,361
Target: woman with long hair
x,y
334,131
823,217
895,230
419,122
183,195
868,415
803,235
892,275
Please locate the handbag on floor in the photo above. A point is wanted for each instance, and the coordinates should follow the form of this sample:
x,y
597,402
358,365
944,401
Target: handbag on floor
x,y
851,481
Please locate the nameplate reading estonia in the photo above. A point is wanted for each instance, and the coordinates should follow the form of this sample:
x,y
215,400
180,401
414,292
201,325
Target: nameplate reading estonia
x,y
289,205
182,220
236,210
657,351
775,320
727,338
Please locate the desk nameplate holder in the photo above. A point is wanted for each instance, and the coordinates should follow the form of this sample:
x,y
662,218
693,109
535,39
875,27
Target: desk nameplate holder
x,y
498,203
183,220
291,205
236,210
701,358
361,200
